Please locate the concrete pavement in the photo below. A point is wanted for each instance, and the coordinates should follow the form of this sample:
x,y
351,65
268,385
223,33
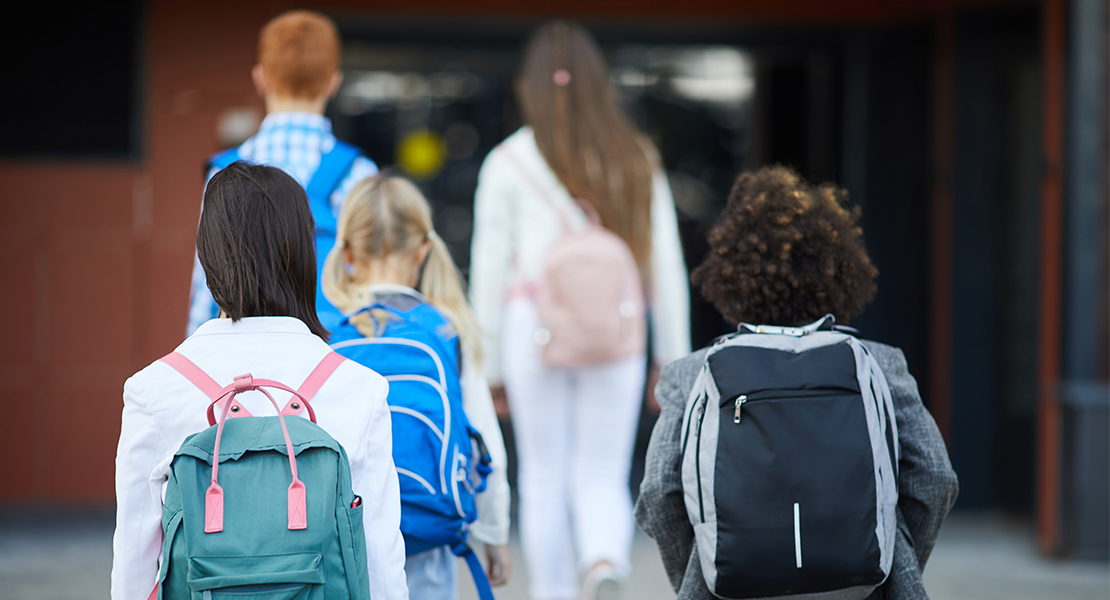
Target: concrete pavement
x,y
63,555
978,557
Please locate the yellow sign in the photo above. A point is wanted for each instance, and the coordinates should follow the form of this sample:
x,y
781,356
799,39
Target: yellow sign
x,y
421,154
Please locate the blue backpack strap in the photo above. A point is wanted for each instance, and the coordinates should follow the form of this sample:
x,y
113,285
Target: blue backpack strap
x,y
375,306
481,582
223,159
333,166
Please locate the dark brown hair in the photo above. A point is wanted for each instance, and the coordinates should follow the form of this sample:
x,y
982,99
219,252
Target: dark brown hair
x,y
256,243
585,136
786,253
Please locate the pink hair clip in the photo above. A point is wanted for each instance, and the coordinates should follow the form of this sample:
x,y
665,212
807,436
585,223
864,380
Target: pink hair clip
x,y
561,77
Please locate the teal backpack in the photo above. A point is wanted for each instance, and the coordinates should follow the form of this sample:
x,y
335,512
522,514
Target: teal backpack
x,y
288,527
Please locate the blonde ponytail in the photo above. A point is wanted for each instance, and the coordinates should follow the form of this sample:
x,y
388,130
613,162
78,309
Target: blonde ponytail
x,y
442,285
386,215
339,285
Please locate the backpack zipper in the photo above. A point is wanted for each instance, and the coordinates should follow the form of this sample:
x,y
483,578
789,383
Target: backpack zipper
x,y
690,424
743,399
740,400
697,460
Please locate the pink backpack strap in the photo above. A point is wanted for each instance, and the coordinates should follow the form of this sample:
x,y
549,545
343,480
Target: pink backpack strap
x,y
199,378
315,381
535,183
194,374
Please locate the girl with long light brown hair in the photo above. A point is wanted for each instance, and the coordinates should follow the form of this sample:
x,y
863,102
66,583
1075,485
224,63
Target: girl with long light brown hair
x,y
578,160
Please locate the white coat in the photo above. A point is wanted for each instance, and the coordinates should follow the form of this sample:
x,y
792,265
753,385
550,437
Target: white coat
x,y
514,226
162,408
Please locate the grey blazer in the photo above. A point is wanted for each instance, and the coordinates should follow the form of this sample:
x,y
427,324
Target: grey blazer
x,y
927,485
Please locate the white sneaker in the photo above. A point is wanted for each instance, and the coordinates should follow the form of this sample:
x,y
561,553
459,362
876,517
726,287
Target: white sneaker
x,y
601,583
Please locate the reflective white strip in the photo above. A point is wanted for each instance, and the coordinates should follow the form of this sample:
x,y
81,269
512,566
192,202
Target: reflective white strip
x,y
446,434
419,415
403,342
797,537
419,479
441,388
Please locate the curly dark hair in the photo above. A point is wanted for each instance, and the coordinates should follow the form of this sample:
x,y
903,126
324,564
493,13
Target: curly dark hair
x,y
786,252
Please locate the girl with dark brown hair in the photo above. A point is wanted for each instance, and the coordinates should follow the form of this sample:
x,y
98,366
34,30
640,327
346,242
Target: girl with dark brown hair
x,y
578,158
255,242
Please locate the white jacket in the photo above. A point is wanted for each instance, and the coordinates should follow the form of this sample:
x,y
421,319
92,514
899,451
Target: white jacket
x,y
514,226
162,408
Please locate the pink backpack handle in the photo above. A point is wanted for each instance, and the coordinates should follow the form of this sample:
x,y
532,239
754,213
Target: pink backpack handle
x,y
214,497
258,384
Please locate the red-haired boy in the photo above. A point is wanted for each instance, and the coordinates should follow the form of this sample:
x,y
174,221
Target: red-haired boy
x,y
297,73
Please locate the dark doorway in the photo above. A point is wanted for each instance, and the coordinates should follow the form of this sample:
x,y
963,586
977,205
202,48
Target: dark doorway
x,y
997,170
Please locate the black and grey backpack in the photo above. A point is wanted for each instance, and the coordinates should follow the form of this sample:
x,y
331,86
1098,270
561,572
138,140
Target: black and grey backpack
x,y
789,460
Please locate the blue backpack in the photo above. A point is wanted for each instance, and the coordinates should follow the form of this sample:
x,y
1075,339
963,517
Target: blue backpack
x,y
333,166
441,460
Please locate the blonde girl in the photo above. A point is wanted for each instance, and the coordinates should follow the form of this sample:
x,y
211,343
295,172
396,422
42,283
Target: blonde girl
x,y
388,258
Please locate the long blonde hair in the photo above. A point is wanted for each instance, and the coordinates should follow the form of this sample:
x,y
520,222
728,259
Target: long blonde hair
x,y
383,216
566,97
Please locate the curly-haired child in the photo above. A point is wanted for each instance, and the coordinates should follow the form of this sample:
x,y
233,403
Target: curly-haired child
x,y
787,253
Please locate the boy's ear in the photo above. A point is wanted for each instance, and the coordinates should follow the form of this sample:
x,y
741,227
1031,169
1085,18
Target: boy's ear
x,y
333,85
258,75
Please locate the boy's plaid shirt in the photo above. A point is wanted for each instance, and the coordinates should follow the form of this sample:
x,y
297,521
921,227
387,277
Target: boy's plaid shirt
x,y
293,142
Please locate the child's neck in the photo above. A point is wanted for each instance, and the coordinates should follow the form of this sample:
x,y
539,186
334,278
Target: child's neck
x,y
385,272
280,104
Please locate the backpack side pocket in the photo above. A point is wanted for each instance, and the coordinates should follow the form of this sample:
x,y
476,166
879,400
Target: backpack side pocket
x,y
352,539
176,579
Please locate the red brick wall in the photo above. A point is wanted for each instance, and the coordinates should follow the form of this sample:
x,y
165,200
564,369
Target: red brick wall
x,y
66,339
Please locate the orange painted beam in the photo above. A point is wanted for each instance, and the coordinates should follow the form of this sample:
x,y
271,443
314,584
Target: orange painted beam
x,y
943,225
1049,423
795,12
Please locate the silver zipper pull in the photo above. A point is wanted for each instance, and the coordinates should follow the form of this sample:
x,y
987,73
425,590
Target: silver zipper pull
x,y
740,400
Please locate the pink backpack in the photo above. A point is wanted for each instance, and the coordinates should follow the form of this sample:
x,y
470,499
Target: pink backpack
x,y
591,299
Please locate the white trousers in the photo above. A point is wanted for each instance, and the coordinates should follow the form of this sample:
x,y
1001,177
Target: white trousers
x,y
575,431
433,575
